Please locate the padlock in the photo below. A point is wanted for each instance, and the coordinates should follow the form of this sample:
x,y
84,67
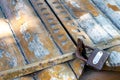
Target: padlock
x,y
97,59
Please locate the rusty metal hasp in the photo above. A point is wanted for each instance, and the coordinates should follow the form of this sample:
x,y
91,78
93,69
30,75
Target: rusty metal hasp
x,y
97,57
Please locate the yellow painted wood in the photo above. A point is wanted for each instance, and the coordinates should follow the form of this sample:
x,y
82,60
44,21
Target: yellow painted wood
x,y
58,33
10,55
36,66
35,41
103,33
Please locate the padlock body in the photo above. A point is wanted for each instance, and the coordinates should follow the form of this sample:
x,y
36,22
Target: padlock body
x,y
97,59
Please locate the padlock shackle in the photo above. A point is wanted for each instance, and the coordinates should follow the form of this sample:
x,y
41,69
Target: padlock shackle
x,y
96,59
81,49
80,57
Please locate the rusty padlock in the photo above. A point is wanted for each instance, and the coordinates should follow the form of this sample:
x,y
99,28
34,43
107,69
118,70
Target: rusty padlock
x,y
97,57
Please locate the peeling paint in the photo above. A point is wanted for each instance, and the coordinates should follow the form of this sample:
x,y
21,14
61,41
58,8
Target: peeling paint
x,y
12,61
113,15
75,4
6,56
93,29
76,9
37,47
102,22
23,30
61,76
107,26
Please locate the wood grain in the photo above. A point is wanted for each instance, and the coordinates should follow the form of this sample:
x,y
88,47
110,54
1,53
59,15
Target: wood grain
x,y
58,33
68,23
110,9
98,27
34,40
10,55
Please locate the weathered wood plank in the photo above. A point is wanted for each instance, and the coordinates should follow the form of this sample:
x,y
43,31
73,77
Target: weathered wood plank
x,y
88,23
36,66
68,22
58,33
100,18
93,29
92,21
10,55
114,59
34,39
110,9
54,26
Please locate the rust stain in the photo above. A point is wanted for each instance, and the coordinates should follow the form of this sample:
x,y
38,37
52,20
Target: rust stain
x,y
66,43
56,73
45,75
90,8
27,16
83,7
78,12
9,51
10,56
77,66
113,7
